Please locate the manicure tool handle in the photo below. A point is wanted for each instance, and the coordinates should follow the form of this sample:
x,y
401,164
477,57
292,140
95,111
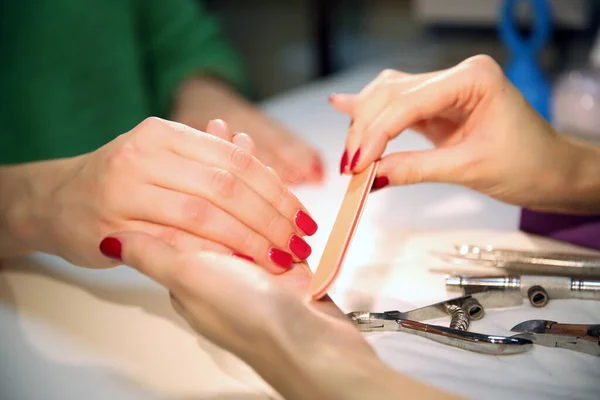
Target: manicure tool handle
x,y
533,262
476,342
556,287
586,332
546,260
562,287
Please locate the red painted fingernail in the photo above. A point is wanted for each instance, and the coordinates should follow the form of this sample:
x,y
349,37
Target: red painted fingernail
x,y
355,160
351,122
305,223
281,258
299,247
242,256
344,162
111,248
331,98
380,182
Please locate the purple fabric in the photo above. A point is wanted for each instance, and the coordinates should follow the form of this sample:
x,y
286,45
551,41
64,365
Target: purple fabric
x,y
579,230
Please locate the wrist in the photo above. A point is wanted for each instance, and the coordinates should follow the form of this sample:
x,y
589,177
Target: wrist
x,y
317,356
25,204
15,209
585,187
577,191
319,369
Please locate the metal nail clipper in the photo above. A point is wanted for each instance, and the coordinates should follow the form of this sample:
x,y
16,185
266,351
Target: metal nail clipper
x,y
580,338
476,342
461,310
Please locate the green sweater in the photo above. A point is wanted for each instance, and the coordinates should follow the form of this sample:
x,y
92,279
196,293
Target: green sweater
x,y
75,74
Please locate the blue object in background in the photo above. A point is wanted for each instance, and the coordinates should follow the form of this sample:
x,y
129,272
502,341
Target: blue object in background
x,y
523,69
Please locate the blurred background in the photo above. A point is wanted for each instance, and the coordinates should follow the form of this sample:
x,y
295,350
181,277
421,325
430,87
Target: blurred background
x,y
287,43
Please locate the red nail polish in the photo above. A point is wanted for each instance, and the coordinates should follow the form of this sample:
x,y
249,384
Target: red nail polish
x,y
111,248
351,123
380,182
344,162
305,223
331,98
281,258
242,256
355,160
299,247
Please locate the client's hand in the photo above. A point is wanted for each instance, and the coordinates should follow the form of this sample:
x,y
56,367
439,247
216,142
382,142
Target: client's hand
x,y
264,319
189,188
303,349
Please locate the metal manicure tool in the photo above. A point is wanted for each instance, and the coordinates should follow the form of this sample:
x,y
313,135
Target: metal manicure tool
x,y
538,289
526,262
580,338
461,310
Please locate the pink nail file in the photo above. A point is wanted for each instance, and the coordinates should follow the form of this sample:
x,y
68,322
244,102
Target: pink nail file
x,y
342,232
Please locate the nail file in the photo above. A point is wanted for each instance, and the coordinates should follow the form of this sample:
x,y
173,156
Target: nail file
x,y
342,232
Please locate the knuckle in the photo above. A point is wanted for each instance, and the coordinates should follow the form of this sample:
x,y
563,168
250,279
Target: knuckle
x,y
121,165
387,74
485,65
278,227
240,160
280,198
150,124
150,133
470,171
122,157
389,92
403,112
224,183
414,176
412,173
248,241
382,94
170,236
196,210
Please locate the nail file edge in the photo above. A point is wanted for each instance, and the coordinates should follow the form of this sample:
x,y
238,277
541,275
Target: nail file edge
x,y
318,290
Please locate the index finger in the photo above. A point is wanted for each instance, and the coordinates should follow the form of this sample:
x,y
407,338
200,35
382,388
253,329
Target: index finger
x,y
425,97
207,149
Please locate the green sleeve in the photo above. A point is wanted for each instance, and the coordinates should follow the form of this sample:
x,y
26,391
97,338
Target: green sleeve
x,y
180,39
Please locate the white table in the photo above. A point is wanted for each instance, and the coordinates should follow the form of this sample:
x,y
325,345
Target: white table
x,y
71,333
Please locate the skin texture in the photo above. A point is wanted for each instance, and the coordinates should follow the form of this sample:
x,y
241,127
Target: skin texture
x,y
200,99
191,189
303,349
485,136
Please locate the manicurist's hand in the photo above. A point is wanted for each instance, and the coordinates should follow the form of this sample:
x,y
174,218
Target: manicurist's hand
x,y
305,350
193,190
486,137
